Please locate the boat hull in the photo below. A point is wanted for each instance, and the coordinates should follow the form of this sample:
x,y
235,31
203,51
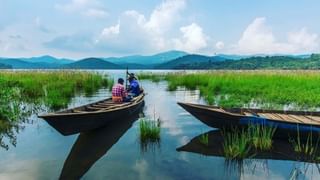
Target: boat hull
x,y
230,121
68,124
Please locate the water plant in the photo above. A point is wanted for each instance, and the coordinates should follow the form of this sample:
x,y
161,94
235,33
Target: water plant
x,y
22,92
54,88
149,130
204,139
261,136
236,144
306,148
240,88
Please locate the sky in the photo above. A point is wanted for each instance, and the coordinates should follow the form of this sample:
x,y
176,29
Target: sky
x,y
103,28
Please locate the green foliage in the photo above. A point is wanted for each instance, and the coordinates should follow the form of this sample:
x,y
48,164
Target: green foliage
x,y
204,139
22,92
236,144
306,149
55,88
261,136
149,130
239,88
250,63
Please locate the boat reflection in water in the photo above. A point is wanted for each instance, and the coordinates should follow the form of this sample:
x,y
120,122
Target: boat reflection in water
x,y
91,146
281,150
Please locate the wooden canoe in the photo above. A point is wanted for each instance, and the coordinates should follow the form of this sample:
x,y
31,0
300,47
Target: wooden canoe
x,y
92,116
288,123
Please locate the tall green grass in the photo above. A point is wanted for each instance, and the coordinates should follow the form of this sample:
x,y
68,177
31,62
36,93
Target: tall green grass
x,y
22,92
240,88
261,136
241,143
306,148
54,88
204,139
236,144
149,131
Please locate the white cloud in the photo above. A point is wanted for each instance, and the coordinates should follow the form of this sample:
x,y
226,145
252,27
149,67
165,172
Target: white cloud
x,y
147,34
259,38
111,31
303,40
219,45
193,38
89,8
165,15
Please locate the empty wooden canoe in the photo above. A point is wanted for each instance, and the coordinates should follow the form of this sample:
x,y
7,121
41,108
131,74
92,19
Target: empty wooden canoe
x,y
92,116
288,123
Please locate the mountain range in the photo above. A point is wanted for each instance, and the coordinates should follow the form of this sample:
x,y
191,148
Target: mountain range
x,y
168,60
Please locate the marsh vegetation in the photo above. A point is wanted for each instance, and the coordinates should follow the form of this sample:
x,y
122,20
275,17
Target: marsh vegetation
x,y
266,89
23,92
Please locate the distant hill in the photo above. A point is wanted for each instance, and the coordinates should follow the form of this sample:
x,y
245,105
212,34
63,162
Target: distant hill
x,y
20,64
47,59
169,60
190,61
4,66
91,63
268,62
147,60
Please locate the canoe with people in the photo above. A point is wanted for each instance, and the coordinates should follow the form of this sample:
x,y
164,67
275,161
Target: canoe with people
x,y
123,103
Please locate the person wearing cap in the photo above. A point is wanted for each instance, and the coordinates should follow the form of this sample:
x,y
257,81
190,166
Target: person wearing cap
x,y
119,93
134,87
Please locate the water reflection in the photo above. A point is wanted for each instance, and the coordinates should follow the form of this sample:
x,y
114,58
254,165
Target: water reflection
x,y
281,149
91,146
258,163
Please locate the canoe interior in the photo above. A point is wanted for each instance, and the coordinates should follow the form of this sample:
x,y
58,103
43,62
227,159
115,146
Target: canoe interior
x,y
103,105
297,117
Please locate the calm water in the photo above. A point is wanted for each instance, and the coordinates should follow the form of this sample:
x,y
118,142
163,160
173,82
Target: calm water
x,y
114,152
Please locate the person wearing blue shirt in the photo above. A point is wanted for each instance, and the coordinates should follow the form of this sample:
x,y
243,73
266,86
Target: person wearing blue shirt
x,y
134,87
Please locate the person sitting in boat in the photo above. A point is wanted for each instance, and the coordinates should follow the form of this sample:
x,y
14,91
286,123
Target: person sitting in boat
x,y
119,93
134,87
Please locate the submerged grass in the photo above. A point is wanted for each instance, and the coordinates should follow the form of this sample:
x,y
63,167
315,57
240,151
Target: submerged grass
x,y
204,139
236,144
306,148
149,134
149,130
261,136
239,144
240,88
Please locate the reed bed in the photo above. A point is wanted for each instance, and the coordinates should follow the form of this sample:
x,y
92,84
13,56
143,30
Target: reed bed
x,y
239,144
56,87
241,88
23,92
236,144
261,136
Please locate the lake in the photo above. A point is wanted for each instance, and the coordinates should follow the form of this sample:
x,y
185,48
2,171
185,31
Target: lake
x,y
115,152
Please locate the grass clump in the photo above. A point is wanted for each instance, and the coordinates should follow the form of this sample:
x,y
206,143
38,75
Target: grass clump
x,y
204,139
261,136
236,144
149,130
306,148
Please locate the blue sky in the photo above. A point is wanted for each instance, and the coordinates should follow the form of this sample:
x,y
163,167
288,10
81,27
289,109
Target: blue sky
x,y
83,28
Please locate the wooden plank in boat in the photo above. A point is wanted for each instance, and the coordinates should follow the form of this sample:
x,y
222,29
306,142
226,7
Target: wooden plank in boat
x,y
315,118
304,119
